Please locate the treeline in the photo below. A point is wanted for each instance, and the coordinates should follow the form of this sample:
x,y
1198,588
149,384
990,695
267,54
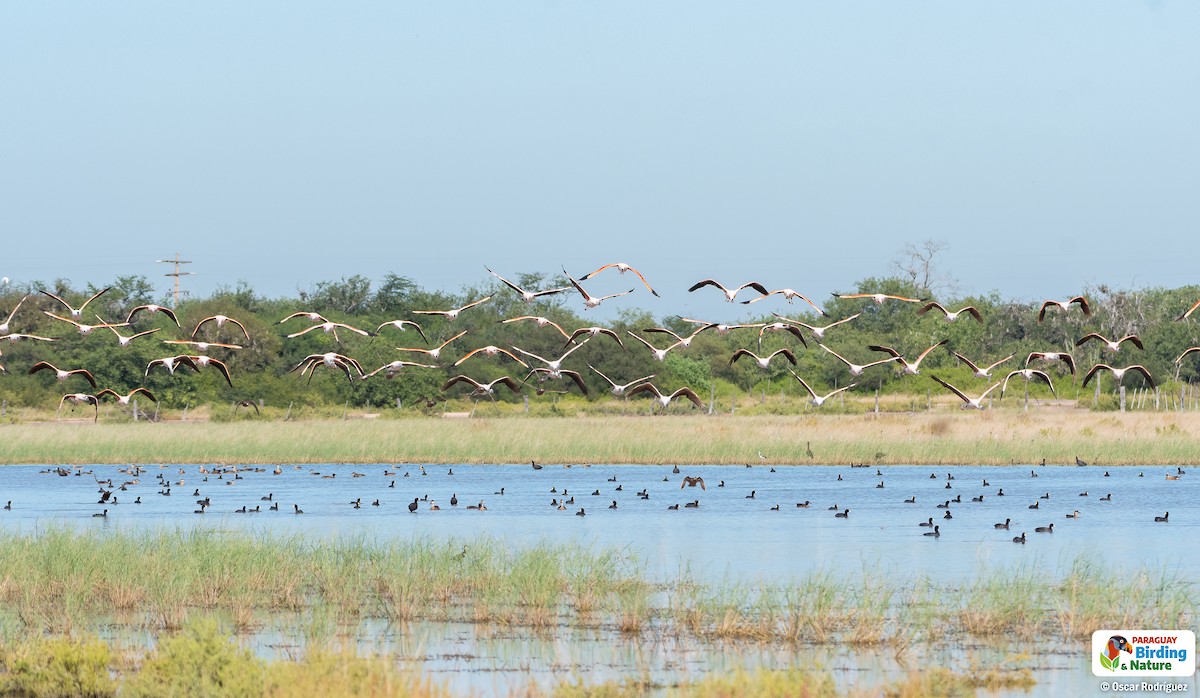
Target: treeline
x,y
263,369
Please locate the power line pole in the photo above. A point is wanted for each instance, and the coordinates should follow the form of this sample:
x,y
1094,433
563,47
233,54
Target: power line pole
x,y
177,261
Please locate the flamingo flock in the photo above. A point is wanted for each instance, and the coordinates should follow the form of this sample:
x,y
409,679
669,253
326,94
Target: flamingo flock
x,y
213,333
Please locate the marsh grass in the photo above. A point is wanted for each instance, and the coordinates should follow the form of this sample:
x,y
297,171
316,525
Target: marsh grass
x,y
61,582
934,438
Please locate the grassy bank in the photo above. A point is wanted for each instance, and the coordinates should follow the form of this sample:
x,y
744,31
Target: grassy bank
x,y
940,437
60,581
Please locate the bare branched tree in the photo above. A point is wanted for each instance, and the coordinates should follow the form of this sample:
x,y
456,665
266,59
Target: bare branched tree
x,y
918,264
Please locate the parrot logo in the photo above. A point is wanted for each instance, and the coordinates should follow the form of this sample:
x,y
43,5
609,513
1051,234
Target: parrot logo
x,y
1110,656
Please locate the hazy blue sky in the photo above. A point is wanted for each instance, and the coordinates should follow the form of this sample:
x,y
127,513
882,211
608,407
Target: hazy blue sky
x,y
801,144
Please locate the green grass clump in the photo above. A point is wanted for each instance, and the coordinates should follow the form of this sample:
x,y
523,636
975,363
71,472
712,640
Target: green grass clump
x,y
59,667
199,661
345,675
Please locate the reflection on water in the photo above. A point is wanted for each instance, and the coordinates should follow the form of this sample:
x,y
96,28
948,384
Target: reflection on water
x,y
734,535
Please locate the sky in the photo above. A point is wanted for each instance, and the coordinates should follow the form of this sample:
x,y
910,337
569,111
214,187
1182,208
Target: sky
x,y
1050,145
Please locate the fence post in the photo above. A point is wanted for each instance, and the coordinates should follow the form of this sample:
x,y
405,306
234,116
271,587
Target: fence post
x,y
1121,392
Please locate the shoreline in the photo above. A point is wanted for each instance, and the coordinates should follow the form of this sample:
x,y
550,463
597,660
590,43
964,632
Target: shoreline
x,y
924,438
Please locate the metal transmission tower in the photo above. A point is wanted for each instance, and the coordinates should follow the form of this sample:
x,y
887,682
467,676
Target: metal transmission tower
x,y
177,261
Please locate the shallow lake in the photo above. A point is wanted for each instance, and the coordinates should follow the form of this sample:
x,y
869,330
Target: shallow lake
x,y
728,536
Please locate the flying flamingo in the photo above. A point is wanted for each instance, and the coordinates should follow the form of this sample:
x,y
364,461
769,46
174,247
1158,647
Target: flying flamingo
x,y
152,308
818,400
436,351
1053,356
950,316
391,369
76,312
590,301
220,320
982,372
528,296
83,329
1109,344
659,354
491,350
1119,373
788,294
541,322
82,399
762,361
400,325
332,359
592,332
856,369
124,399
817,332
1029,374
910,368
665,400
7,320
879,298
621,267
484,389
453,314
62,375
620,390
730,293
1064,305
968,402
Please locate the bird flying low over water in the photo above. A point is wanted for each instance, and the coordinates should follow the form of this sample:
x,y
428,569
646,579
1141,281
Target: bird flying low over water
x,y
220,321
730,293
528,296
911,368
665,400
484,389
1109,344
879,298
75,312
968,402
453,313
1119,373
818,400
151,309
950,315
692,482
590,301
1064,305
981,372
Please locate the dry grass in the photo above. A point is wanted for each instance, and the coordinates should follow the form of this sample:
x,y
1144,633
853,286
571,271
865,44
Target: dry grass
x,y
942,437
